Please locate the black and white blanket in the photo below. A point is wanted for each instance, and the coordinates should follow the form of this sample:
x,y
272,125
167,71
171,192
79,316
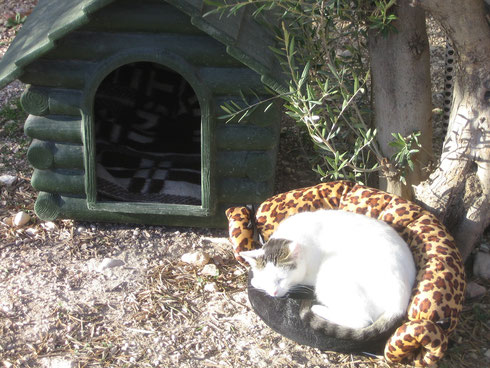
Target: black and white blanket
x,y
148,137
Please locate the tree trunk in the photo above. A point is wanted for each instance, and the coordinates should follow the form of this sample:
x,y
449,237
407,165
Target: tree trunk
x,y
458,192
402,91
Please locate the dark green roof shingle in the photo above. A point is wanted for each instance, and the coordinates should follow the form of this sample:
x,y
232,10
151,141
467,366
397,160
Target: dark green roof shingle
x,y
245,39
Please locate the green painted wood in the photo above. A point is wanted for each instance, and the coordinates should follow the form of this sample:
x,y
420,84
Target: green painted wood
x,y
44,101
227,32
257,166
261,166
131,16
245,137
60,59
154,208
56,128
268,115
190,7
40,154
229,81
57,73
200,50
50,20
45,155
203,93
35,101
48,206
239,190
51,206
67,156
58,181
89,154
274,83
64,102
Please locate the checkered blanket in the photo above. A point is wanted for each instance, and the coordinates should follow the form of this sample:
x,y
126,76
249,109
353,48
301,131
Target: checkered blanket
x,y
165,178
148,137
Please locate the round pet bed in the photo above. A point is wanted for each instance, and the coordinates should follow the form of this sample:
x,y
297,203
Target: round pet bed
x,y
437,297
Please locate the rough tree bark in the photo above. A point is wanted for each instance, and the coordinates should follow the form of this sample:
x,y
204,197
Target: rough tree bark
x,y
400,69
458,192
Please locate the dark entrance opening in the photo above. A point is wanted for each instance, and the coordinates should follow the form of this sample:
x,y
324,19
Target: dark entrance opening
x,y
148,136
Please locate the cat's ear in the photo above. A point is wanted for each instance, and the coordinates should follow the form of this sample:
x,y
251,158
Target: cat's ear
x,y
294,249
251,256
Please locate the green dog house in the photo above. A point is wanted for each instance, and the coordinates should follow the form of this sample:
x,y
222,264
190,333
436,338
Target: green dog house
x,y
124,102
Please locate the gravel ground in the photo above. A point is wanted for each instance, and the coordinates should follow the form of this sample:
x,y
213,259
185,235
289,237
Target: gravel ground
x,y
88,294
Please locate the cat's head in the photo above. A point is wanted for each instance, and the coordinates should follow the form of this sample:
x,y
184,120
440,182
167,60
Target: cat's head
x,y
276,267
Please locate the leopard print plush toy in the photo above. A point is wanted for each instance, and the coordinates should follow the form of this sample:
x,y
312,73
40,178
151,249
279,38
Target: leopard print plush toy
x,y
437,298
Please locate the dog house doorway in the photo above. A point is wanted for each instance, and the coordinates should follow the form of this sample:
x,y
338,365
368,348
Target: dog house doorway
x,y
147,122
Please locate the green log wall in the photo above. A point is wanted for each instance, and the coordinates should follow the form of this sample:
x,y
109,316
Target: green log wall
x,y
243,154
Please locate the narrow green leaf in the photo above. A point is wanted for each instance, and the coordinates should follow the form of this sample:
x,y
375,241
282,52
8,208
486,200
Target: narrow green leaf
x,y
304,75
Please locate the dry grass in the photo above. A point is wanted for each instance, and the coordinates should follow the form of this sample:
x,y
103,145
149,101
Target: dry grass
x,y
174,290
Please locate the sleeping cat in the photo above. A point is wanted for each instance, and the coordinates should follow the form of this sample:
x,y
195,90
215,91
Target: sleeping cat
x,y
361,270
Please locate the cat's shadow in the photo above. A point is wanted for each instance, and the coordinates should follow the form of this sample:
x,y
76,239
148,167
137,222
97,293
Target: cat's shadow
x,y
282,315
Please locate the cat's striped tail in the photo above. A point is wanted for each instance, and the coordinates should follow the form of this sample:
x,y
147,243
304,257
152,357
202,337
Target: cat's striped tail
x,y
383,326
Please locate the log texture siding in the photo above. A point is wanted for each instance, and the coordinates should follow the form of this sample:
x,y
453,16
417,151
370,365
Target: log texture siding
x,y
64,64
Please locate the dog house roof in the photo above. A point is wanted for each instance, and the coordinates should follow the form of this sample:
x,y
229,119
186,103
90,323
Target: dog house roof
x,y
51,20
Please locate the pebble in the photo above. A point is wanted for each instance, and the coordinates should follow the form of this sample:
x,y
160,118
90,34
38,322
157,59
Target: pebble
x,y
210,270
7,180
481,267
474,290
487,354
48,225
211,287
20,219
345,54
198,258
56,362
31,231
109,263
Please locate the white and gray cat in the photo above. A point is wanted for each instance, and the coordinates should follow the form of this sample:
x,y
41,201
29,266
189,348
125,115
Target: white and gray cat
x,y
361,270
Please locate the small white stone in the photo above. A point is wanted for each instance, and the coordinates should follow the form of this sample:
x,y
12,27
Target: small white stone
x,y
481,267
198,258
345,54
57,362
20,219
210,270
211,287
474,290
31,231
487,354
48,225
109,263
7,180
